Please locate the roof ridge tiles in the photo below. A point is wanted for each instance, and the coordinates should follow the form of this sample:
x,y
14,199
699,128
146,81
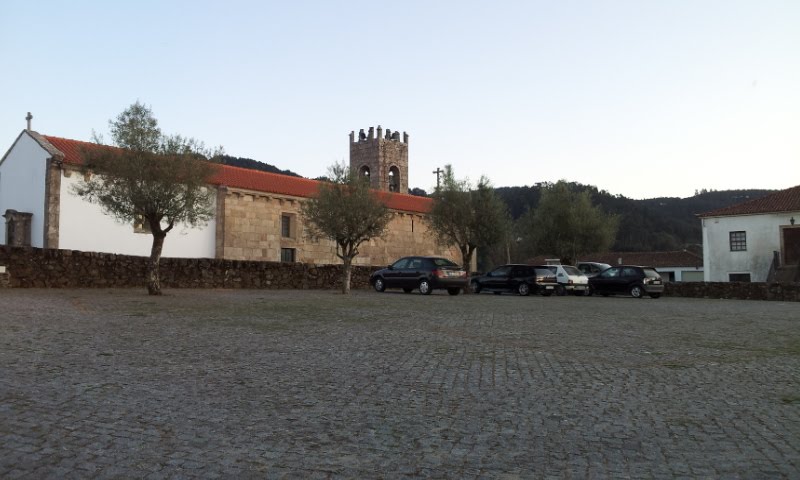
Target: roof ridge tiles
x,y
256,180
781,201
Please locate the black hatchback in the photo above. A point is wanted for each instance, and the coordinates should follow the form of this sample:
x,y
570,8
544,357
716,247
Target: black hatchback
x,y
630,280
520,279
423,273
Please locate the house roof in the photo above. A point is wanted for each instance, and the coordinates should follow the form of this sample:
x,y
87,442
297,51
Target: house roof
x,y
71,152
784,201
677,258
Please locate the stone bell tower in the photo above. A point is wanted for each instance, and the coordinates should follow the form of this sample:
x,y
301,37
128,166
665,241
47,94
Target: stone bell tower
x,y
382,157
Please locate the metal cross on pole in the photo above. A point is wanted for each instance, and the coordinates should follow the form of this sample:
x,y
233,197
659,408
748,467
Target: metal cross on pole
x,y
438,172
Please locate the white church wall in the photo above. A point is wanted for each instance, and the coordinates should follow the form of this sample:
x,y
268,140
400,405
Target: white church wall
x,y
84,226
22,186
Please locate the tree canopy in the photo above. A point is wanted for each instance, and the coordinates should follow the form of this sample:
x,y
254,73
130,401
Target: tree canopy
x,y
151,179
566,224
346,211
466,216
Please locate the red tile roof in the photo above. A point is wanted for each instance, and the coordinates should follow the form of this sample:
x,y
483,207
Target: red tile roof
x,y
255,180
784,201
677,258
73,149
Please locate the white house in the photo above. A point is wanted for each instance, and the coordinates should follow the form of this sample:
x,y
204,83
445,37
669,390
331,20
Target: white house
x,y
753,241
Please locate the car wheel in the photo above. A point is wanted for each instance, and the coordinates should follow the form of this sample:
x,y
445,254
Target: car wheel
x,y
425,287
379,285
655,295
561,291
523,289
590,291
476,287
454,291
408,290
636,291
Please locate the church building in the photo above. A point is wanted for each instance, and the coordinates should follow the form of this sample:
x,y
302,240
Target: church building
x,y
257,213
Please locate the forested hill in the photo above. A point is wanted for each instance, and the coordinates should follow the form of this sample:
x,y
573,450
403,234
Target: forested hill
x,y
655,224
252,165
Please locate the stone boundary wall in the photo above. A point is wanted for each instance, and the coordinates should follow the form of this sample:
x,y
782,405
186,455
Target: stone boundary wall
x,y
28,267
786,292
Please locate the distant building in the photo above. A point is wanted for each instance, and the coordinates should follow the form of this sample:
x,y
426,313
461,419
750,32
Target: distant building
x,y
753,241
257,213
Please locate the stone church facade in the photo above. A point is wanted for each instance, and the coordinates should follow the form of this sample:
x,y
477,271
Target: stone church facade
x,y
257,213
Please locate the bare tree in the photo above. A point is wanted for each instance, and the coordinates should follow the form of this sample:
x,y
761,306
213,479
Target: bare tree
x,y
467,217
348,212
155,180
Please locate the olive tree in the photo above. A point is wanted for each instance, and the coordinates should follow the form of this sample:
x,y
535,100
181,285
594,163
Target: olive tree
x,y
346,211
466,216
566,224
150,179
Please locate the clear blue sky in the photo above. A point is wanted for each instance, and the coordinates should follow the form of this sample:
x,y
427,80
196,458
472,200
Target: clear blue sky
x,y
641,98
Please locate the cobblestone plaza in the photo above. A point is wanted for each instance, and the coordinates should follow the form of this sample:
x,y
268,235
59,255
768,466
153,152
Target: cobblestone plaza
x,y
313,384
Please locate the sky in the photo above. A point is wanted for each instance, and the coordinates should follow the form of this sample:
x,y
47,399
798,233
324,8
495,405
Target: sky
x,y
641,98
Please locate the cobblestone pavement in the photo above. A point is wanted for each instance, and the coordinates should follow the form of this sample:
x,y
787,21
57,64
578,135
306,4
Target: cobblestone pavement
x,y
313,384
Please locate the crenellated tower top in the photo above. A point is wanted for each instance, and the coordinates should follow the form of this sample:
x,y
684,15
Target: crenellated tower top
x,y
383,157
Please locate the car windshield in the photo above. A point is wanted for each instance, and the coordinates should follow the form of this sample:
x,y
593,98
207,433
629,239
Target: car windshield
x,y
443,262
572,270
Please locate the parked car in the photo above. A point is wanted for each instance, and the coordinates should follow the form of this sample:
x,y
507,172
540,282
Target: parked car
x,y
630,280
569,279
423,273
591,269
520,279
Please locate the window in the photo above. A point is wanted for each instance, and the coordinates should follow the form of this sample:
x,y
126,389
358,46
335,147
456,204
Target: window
x,y
500,271
140,224
400,264
287,255
286,226
394,179
611,273
739,277
738,241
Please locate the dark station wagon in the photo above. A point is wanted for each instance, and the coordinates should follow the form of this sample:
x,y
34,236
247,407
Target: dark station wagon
x,y
630,280
520,279
423,273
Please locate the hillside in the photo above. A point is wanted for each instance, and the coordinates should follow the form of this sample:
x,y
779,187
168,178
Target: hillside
x,y
645,225
252,165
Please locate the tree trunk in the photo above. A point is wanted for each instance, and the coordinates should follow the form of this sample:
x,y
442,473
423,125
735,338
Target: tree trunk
x,y
153,280
466,255
346,271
